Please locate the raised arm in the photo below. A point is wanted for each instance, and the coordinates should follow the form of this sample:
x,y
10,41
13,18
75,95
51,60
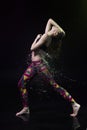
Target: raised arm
x,y
51,23
38,42
36,39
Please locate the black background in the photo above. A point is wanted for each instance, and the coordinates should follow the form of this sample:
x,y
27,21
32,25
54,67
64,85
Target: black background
x,y
21,21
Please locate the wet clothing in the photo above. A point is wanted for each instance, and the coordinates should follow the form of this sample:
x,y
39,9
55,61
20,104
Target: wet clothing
x,y
33,69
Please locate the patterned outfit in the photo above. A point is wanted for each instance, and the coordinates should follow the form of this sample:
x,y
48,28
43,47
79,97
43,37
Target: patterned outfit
x,y
34,68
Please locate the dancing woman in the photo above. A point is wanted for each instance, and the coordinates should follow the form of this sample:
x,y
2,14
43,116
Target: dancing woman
x,y
38,65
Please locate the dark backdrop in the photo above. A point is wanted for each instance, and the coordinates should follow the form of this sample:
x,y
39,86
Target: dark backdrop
x,y
21,21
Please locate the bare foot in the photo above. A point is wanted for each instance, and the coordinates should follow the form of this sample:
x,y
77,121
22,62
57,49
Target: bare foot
x,y
76,108
25,110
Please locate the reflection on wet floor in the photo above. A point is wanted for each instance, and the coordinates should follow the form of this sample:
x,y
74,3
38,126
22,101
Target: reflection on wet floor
x,y
76,123
46,118
24,117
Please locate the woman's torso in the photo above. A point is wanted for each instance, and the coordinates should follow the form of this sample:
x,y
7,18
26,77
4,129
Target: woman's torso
x,y
37,54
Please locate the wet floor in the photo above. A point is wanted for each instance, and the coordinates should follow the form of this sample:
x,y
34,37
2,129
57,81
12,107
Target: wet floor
x,y
48,110
44,115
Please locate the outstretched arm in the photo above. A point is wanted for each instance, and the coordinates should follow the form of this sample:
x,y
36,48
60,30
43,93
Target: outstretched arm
x,y
51,23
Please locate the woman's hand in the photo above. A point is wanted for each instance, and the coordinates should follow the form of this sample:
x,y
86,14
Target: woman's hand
x,y
39,41
39,36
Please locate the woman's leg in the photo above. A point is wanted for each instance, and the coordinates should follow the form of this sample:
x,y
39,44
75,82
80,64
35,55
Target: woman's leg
x,y
22,88
61,90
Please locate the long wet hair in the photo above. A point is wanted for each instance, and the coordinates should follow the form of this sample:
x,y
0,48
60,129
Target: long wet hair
x,y
54,48
54,51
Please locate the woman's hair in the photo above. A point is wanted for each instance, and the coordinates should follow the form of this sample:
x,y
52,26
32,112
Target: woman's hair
x,y
54,51
55,46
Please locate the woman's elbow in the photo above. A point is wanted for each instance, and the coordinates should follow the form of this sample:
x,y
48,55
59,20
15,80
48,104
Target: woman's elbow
x,y
49,20
31,48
